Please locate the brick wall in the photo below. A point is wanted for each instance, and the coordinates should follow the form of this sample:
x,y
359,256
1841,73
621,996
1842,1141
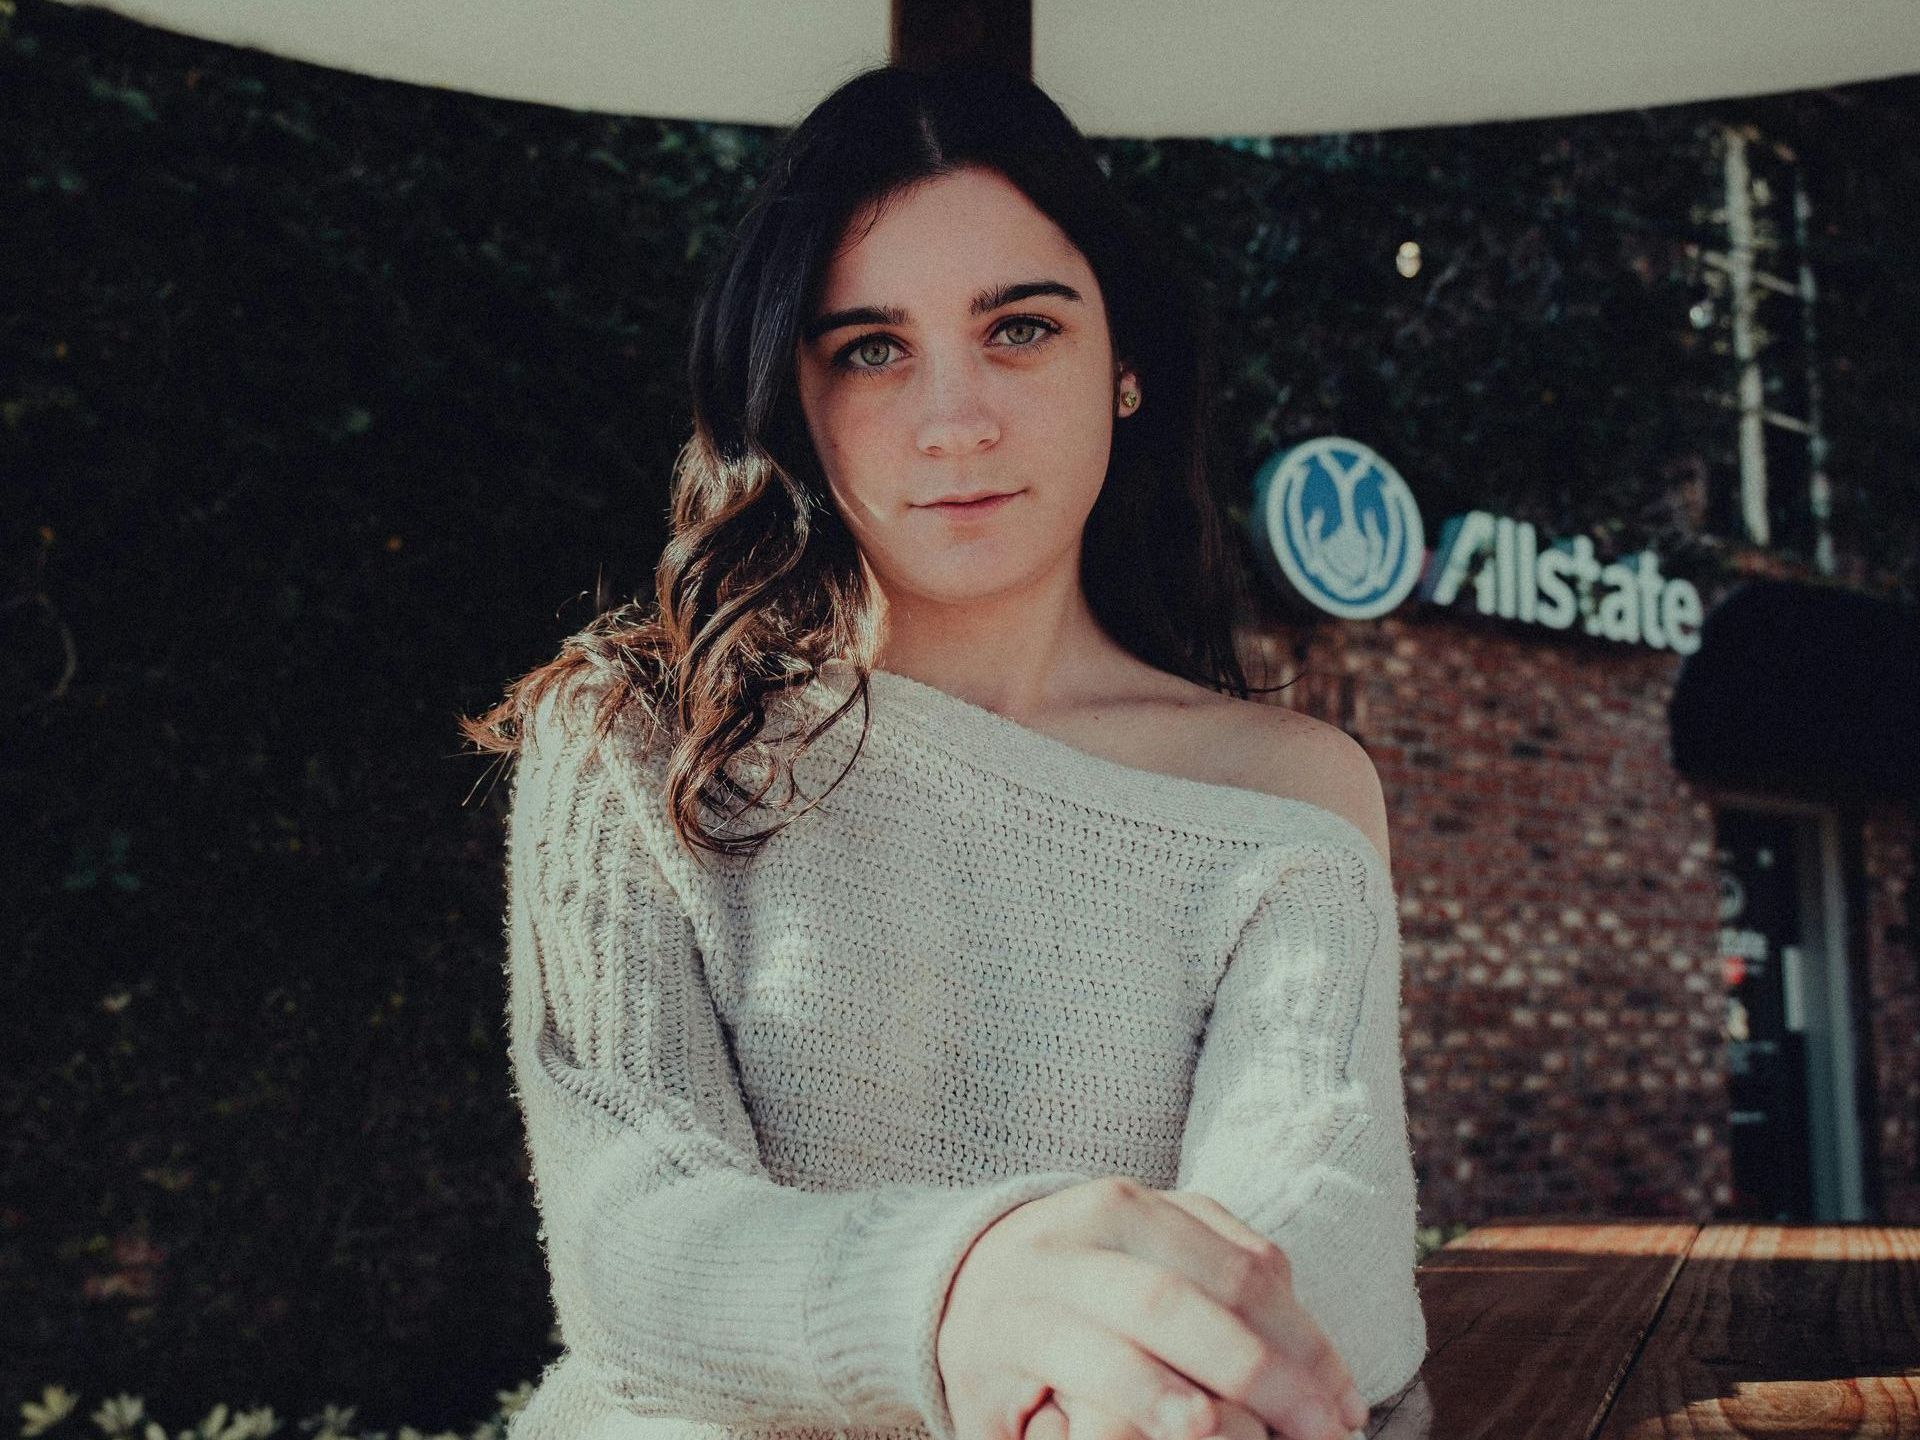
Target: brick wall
x,y
1891,1014
1563,1002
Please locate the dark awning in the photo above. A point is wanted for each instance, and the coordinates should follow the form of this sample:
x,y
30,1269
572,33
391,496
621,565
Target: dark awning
x,y
1809,689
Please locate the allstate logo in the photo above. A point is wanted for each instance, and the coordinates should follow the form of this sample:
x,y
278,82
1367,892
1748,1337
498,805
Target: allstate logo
x,y
1340,525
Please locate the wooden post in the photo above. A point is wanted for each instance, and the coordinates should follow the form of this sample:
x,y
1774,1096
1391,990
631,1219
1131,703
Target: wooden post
x,y
992,32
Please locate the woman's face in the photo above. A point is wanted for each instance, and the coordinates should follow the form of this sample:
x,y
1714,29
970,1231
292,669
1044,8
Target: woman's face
x,y
931,370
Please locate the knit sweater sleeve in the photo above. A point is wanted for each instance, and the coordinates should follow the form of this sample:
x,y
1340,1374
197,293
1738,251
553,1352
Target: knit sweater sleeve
x,y
695,1284
1297,1121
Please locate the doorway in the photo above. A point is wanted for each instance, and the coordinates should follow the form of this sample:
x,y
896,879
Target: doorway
x,y
1789,1035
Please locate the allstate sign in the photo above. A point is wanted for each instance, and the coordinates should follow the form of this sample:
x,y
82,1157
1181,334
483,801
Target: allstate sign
x,y
1341,527
1336,526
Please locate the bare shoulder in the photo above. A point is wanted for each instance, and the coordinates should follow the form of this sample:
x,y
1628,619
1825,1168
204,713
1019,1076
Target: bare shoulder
x,y
1276,750
1284,752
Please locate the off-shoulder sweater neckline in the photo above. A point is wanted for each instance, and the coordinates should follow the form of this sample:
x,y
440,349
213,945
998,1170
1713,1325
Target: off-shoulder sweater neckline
x,y
1001,746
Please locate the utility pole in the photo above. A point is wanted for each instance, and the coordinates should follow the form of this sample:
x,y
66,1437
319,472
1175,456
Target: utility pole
x,y
1819,488
1747,284
1746,354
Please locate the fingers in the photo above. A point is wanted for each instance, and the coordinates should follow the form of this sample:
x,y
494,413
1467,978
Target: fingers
x,y
1165,1353
1049,1422
1087,1421
1239,1423
1189,1284
1210,1210
1143,1304
1098,1363
1231,1227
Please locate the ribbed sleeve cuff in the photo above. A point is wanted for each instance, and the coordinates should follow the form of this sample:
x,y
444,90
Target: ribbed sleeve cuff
x,y
874,1309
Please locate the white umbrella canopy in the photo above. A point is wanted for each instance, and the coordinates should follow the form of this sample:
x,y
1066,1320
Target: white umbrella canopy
x,y
1279,67
1118,67
757,62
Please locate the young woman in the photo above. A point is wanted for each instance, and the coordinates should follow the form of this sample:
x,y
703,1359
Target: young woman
x,y
1040,1074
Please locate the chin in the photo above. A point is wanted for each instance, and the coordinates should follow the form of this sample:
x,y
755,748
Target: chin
x,y
967,576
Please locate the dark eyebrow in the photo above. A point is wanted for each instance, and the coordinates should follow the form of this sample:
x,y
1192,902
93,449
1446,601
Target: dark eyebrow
x,y
983,303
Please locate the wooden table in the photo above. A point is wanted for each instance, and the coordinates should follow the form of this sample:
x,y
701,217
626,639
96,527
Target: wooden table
x,y
1632,1329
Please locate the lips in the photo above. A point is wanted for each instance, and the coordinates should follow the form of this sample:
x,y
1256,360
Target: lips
x,y
987,500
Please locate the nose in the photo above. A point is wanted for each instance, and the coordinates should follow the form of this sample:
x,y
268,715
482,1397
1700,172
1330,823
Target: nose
x,y
956,420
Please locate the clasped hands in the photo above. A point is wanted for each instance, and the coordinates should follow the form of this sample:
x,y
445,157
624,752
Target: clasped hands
x,y
1118,1312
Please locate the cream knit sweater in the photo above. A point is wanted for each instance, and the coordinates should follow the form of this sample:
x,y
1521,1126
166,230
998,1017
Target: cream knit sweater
x,y
770,1102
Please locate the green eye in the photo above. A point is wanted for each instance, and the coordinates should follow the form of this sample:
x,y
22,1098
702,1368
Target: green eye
x,y
867,345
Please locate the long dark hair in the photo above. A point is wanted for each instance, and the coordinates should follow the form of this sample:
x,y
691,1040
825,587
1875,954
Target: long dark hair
x,y
760,582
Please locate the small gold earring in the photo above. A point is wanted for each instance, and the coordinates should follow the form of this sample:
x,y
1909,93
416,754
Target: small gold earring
x,y
1129,398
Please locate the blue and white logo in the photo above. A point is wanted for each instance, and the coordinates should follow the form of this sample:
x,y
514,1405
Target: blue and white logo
x,y
1340,525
